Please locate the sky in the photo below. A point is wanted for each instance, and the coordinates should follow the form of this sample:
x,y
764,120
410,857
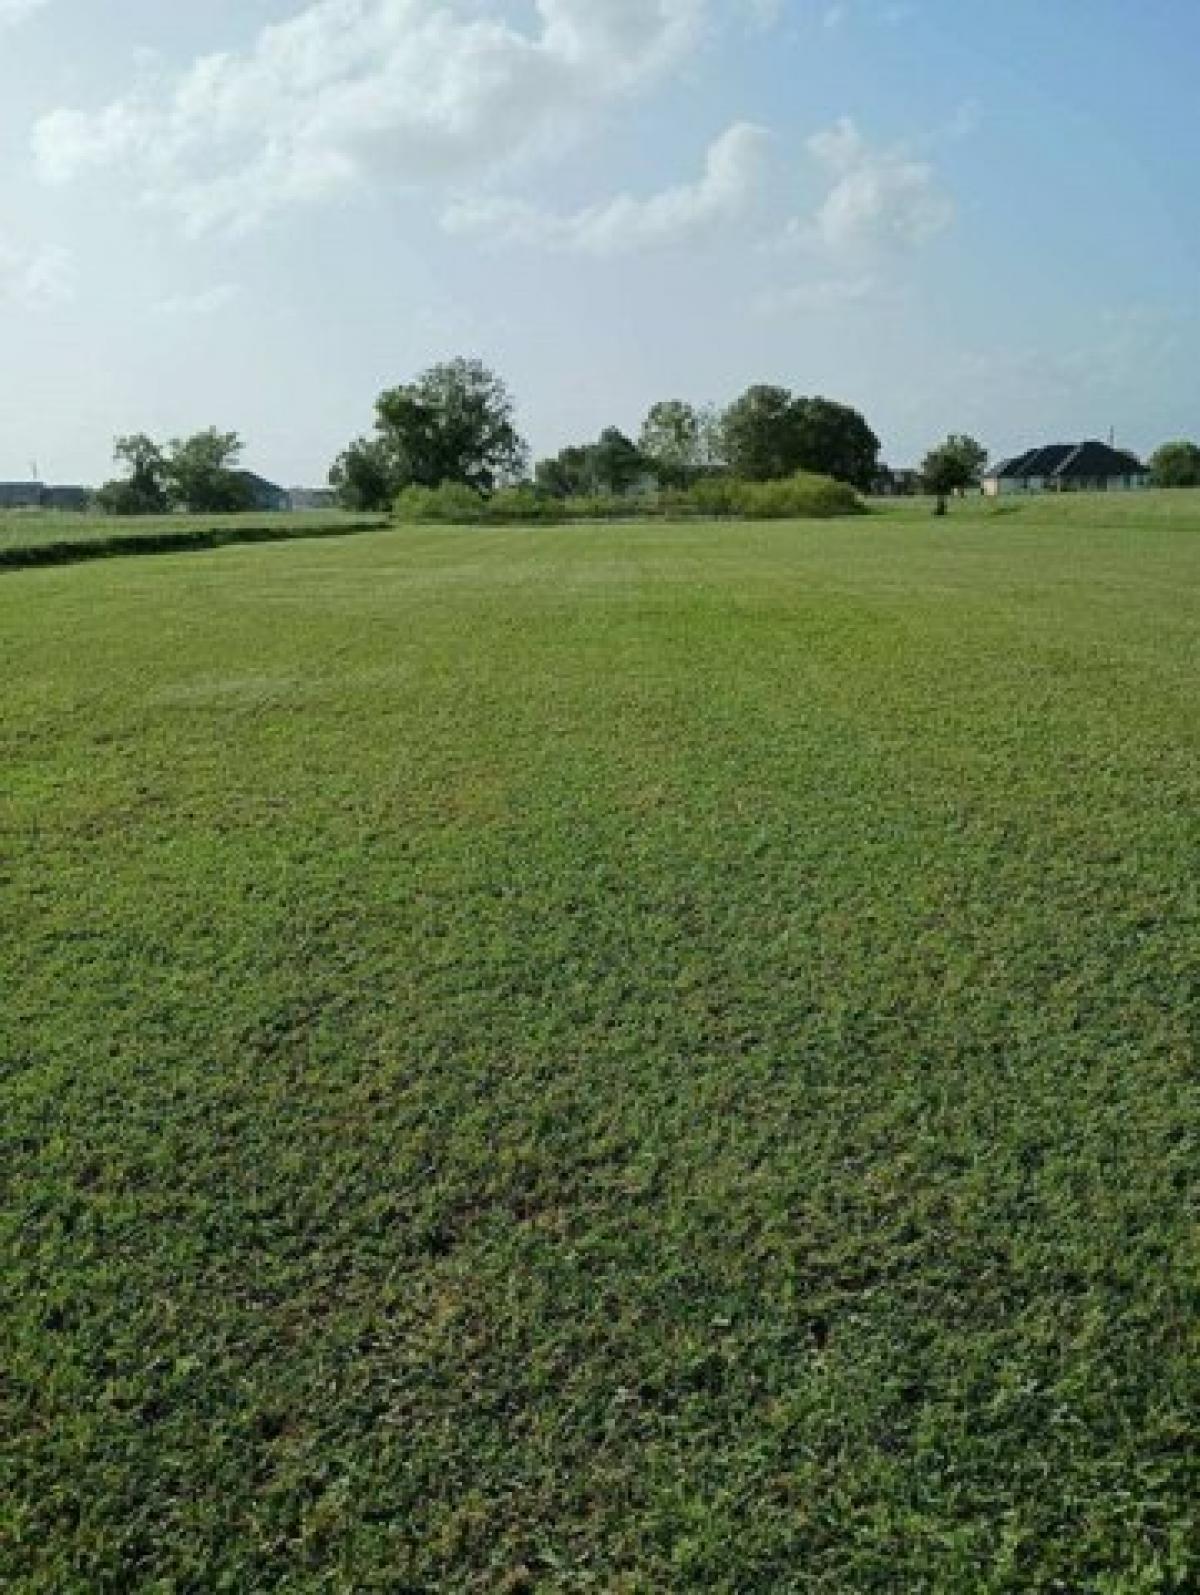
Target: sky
x,y
956,215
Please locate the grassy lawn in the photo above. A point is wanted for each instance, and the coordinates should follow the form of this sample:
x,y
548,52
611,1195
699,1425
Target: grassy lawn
x,y
626,1059
56,537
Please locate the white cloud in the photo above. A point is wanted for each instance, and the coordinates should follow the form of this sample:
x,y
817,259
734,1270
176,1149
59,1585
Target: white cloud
x,y
880,200
35,278
880,205
734,173
348,90
205,302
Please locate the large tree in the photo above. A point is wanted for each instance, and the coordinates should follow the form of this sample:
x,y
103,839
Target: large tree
x,y
954,466
758,434
836,441
770,433
1176,465
455,423
202,474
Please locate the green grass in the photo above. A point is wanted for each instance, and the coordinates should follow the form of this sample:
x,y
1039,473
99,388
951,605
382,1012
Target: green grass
x,y
55,538
627,1059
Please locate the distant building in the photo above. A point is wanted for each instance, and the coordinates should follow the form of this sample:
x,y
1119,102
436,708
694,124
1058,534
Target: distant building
x,y
900,483
37,496
312,498
265,495
21,495
75,499
1068,468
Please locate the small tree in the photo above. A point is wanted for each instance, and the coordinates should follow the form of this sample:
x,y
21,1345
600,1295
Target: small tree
x,y
616,461
1176,465
672,442
143,491
953,467
362,476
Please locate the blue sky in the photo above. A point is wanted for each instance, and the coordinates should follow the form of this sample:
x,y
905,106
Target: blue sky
x,y
957,214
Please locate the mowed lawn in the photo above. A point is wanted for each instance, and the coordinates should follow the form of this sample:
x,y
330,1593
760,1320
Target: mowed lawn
x,y
615,1059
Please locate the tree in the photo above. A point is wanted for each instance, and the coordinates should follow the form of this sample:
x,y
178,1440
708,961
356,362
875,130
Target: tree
x,y
673,442
758,434
201,473
835,440
455,423
616,461
953,466
144,490
570,473
362,476
1176,465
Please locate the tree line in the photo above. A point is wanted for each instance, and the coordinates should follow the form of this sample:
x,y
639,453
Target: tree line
x,y
456,425
198,474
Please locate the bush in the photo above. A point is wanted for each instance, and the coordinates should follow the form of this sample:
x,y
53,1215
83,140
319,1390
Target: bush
x,y
517,504
800,497
451,503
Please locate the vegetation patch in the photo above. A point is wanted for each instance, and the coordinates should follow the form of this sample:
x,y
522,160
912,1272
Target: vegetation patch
x,y
30,538
657,1060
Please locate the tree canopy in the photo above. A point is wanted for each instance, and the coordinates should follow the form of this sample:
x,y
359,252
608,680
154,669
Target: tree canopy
x,y
771,433
1176,465
674,442
954,465
455,423
197,473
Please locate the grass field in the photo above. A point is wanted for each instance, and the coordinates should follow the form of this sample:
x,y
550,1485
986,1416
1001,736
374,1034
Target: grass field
x,y
50,537
628,1059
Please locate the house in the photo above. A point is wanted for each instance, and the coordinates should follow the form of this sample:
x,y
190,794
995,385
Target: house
x,y
75,499
901,483
21,495
312,498
37,496
1068,468
264,495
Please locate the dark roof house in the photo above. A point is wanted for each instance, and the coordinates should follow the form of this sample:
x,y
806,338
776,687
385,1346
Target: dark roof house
x,y
265,495
1067,468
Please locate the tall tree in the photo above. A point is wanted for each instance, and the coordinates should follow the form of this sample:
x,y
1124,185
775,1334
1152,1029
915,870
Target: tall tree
x,y
835,440
672,442
202,475
455,423
758,434
1176,465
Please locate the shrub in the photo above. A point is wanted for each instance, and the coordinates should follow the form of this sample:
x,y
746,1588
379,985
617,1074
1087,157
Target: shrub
x,y
799,497
451,503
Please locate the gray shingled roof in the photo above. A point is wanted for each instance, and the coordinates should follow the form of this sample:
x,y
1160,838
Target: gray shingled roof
x,y
1070,461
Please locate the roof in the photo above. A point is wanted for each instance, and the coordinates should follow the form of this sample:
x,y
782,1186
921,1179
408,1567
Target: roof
x,y
252,479
1067,461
